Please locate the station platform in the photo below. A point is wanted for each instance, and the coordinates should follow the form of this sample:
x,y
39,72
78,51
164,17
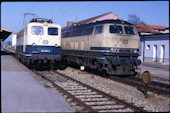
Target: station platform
x,y
156,65
21,92
155,71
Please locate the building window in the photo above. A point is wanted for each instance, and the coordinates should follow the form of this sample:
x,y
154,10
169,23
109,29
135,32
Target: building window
x,y
148,47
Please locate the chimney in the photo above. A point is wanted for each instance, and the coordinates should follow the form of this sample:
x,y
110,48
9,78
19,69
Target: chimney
x,y
69,23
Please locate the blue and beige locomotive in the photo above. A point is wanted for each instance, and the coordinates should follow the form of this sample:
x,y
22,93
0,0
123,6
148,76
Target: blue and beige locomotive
x,y
39,42
110,46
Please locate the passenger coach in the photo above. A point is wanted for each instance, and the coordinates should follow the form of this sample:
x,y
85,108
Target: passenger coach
x,y
110,46
39,42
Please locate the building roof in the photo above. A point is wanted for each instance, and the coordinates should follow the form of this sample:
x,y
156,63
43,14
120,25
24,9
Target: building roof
x,y
5,33
157,27
144,28
149,28
93,19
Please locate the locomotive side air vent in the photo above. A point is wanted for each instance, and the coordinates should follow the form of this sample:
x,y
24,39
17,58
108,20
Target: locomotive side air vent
x,y
41,20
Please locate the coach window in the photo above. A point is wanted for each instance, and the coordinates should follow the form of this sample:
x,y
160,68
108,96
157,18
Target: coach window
x,y
77,32
148,47
37,30
52,31
63,35
84,31
130,30
89,31
116,29
98,30
67,34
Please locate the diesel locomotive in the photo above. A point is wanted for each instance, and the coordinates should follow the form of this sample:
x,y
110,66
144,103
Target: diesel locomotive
x,y
110,46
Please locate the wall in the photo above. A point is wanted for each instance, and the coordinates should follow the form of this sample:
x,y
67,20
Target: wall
x,y
148,43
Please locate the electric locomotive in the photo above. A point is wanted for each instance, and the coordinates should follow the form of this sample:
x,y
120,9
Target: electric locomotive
x,y
39,42
110,46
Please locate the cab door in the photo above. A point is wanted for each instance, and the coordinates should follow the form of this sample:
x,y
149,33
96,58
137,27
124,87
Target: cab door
x,y
97,37
87,33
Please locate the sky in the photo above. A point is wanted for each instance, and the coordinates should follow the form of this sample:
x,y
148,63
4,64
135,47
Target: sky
x,y
12,13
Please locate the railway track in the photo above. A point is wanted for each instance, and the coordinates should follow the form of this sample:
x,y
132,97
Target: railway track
x,y
157,87
89,98
154,86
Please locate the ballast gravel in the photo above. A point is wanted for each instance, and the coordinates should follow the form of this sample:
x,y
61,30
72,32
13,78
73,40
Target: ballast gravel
x,y
130,94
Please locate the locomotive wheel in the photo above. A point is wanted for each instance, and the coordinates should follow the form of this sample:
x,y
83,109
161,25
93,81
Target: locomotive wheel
x,y
99,69
30,65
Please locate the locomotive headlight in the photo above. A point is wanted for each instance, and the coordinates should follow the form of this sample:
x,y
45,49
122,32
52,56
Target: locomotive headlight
x,y
45,23
117,50
113,50
33,44
135,51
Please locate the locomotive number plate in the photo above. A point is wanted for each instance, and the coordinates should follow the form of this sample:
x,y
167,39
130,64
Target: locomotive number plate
x,y
45,41
125,41
48,51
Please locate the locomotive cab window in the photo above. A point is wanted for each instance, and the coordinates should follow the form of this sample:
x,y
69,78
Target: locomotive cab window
x,y
98,29
130,30
52,31
116,29
37,30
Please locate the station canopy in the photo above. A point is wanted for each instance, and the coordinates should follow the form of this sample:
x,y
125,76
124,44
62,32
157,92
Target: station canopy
x,y
4,33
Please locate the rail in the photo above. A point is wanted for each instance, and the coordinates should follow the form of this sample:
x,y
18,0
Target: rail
x,y
93,101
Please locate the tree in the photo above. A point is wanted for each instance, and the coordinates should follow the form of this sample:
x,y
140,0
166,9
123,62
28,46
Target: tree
x,y
135,19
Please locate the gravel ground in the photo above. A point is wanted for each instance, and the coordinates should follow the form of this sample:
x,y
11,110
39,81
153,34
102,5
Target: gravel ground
x,y
154,102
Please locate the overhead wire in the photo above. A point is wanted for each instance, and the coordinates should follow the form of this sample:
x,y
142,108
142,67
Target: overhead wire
x,y
76,11
68,9
60,11
17,26
33,6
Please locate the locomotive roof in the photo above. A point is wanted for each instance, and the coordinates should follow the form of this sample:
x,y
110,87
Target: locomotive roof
x,y
41,20
99,22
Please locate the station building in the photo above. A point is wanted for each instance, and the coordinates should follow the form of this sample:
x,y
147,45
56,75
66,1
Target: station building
x,y
154,47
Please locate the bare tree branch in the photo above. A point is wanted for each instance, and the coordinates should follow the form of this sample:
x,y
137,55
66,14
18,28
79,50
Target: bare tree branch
x,y
135,19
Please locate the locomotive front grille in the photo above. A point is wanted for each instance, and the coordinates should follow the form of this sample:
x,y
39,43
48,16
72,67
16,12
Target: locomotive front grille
x,y
120,50
124,51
